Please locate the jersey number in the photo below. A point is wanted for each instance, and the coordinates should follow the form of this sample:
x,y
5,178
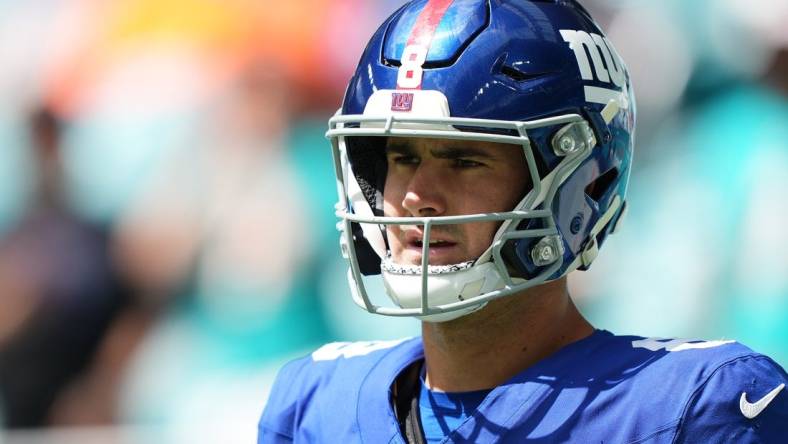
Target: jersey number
x,y
336,350
674,345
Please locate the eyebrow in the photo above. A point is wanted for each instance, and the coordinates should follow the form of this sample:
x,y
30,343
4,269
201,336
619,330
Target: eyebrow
x,y
447,152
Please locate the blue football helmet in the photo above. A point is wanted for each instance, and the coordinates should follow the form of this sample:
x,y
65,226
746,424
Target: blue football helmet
x,y
538,74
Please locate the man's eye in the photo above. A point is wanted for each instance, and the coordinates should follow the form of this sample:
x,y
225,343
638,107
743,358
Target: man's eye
x,y
466,163
404,160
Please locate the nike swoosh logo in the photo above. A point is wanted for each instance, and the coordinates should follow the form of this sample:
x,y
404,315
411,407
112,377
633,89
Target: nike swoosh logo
x,y
751,410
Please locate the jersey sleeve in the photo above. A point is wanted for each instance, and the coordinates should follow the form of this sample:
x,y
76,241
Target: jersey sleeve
x,y
265,436
277,424
745,386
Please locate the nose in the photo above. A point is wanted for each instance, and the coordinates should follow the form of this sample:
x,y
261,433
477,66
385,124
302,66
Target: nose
x,y
426,191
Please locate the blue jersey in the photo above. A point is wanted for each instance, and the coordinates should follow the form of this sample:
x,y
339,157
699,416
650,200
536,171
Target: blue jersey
x,y
602,389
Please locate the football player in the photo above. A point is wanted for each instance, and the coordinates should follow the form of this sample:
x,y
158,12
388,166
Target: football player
x,y
482,153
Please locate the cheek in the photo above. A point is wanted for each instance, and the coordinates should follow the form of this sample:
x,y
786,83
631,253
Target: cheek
x,y
390,205
392,208
480,236
486,196
393,194
489,196
506,192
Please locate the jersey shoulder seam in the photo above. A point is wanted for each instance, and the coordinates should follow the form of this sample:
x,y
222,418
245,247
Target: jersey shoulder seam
x,y
701,386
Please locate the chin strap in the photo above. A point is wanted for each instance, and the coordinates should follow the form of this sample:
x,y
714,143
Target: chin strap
x,y
431,293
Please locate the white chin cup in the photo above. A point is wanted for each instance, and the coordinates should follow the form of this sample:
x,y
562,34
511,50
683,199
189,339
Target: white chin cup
x,y
445,285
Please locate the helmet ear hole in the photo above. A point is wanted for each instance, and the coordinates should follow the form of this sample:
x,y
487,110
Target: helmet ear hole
x,y
599,187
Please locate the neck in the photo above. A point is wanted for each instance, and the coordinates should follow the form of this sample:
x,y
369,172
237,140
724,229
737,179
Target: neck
x,y
486,348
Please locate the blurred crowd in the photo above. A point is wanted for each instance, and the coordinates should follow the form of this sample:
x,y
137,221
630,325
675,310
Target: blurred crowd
x,y
167,236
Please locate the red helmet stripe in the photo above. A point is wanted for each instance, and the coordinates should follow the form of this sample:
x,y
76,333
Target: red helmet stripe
x,y
427,22
422,33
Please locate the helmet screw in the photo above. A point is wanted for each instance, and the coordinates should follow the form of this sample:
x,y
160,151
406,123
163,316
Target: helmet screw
x,y
573,138
547,251
567,144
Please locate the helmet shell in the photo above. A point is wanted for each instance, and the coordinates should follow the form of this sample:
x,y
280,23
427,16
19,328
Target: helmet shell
x,y
520,61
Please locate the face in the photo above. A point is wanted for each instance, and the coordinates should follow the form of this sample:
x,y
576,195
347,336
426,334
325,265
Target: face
x,y
441,177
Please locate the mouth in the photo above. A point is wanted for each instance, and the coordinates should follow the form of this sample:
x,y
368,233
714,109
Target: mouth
x,y
414,240
441,251
434,244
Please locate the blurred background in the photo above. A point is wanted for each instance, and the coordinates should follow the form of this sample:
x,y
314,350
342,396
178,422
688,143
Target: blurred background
x,y
167,233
